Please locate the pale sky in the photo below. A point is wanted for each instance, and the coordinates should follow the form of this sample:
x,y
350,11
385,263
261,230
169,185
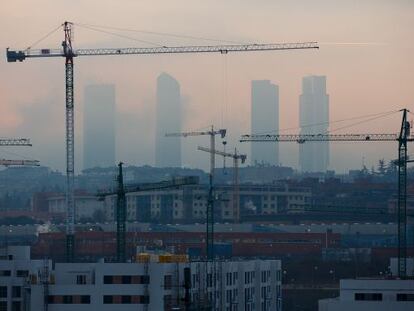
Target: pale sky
x,y
375,75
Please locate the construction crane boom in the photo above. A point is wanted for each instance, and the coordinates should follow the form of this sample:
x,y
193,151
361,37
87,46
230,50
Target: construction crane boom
x,y
15,142
5,162
236,191
69,53
221,132
121,210
303,138
402,138
13,56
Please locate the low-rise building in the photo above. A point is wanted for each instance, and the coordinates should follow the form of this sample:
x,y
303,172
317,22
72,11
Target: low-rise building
x,y
189,203
372,294
86,205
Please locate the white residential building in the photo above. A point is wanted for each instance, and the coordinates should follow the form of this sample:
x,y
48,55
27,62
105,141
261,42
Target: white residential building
x,y
153,282
17,270
372,294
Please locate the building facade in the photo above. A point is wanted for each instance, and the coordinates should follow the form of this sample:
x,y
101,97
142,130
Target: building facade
x,y
86,205
372,294
99,126
152,282
264,119
189,204
168,110
314,119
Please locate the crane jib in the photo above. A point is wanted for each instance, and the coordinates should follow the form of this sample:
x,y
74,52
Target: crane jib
x,y
13,56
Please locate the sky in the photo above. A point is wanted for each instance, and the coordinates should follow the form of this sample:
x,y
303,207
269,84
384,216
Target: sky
x,y
366,52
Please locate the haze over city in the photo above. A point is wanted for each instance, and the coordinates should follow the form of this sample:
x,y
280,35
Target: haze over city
x,y
365,53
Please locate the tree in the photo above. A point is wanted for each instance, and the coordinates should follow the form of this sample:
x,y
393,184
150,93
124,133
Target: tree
x,y
381,167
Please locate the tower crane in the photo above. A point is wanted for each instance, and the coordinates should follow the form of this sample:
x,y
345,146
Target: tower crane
x,y
402,138
236,185
69,53
210,201
121,211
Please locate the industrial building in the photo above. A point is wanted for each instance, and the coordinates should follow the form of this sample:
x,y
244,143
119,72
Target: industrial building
x,y
372,294
152,282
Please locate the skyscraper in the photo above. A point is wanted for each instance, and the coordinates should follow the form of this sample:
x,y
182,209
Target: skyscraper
x,y
264,119
168,149
99,126
313,119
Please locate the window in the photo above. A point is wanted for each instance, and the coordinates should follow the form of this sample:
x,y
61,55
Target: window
x,y
16,306
125,299
67,299
5,273
368,296
16,291
22,273
3,305
81,279
167,282
167,302
405,297
107,299
3,291
107,279
126,279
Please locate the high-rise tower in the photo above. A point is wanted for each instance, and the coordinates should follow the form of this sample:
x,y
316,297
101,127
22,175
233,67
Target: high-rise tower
x,y
99,126
168,149
264,119
314,119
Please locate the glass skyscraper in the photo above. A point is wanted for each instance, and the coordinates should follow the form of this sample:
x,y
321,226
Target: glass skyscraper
x,y
313,119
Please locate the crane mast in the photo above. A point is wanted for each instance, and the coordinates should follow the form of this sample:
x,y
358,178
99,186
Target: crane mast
x,y
402,195
402,138
236,185
69,53
121,210
210,201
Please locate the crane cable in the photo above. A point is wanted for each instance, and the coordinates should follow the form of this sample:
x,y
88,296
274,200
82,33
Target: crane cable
x,y
330,122
363,121
166,34
43,38
120,36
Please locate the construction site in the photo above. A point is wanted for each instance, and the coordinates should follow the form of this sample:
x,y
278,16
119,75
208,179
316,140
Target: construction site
x,y
238,236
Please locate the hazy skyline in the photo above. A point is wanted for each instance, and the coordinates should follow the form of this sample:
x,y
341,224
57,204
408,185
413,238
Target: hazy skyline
x,y
374,76
168,120
99,126
264,117
314,109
